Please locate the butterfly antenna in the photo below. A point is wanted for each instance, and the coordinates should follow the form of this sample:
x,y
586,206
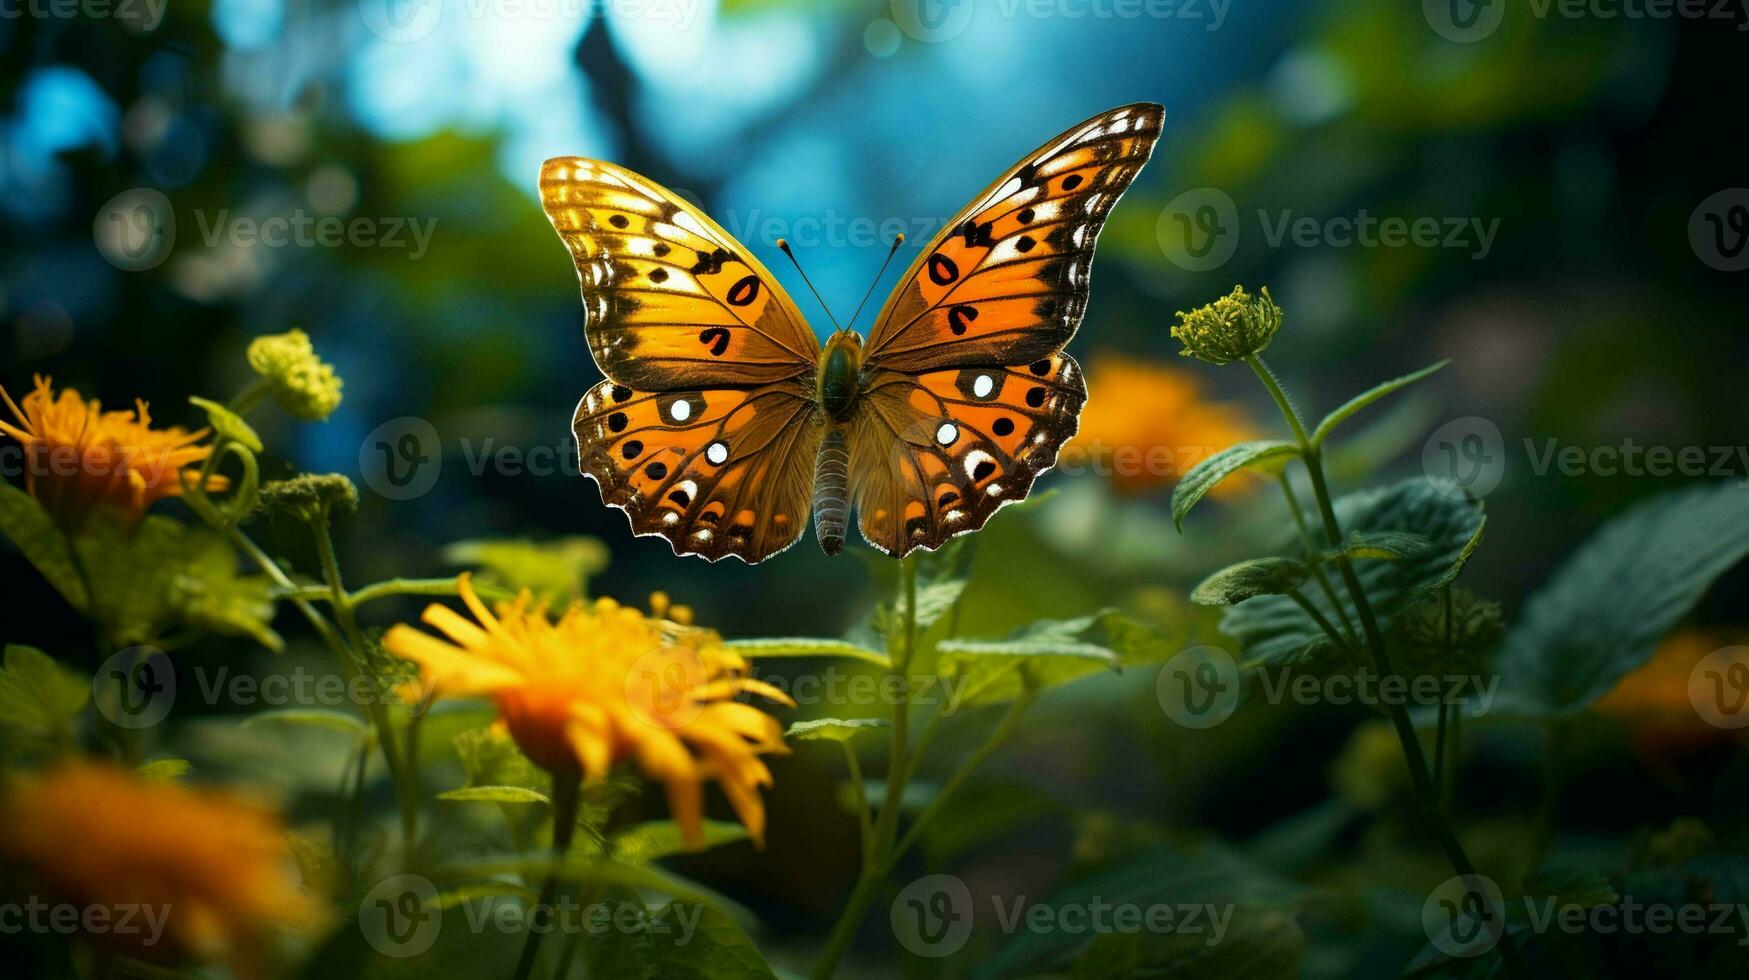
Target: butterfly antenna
x,y
784,246
897,241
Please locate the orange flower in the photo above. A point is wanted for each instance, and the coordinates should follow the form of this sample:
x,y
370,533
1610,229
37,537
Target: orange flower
x,y
78,456
605,684
1664,701
156,871
1146,424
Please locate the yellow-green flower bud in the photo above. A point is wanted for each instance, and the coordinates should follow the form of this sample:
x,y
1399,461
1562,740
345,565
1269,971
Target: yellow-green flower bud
x,y
1231,328
309,497
301,382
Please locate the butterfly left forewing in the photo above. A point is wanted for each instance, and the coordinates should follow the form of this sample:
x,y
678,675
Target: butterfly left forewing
x,y
935,454
717,472
1006,280
671,300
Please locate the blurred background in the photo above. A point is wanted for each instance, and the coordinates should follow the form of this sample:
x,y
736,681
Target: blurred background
x,y
1585,281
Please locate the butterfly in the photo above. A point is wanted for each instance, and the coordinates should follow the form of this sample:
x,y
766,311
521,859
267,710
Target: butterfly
x,y
723,421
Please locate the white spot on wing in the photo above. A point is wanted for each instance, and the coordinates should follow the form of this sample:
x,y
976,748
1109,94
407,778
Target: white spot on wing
x,y
947,433
680,410
717,453
982,385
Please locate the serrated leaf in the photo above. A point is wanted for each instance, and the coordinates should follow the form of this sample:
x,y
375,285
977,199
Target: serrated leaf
x,y
1365,398
336,721
655,839
34,533
228,424
39,698
717,949
1273,629
805,646
1204,476
1384,545
558,570
165,769
1604,610
493,794
833,729
1248,579
1045,654
208,593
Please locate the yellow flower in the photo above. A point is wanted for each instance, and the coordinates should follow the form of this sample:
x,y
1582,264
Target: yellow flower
x,y
78,456
199,875
1147,423
1231,328
303,384
605,684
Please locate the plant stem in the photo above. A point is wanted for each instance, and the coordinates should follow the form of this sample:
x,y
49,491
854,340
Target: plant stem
x,y
1426,794
1311,547
1000,734
900,645
864,817
565,792
353,663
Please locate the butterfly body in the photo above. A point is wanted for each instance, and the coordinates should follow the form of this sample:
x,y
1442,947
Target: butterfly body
x,y
723,420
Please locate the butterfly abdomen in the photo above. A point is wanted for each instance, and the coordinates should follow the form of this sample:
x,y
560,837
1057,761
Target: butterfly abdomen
x,y
832,490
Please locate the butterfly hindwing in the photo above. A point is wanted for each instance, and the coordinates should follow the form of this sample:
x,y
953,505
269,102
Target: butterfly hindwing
x,y
670,299
937,453
1006,281
715,471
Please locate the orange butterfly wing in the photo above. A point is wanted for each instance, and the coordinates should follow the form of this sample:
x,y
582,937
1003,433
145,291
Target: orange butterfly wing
x,y
705,431
717,472
964,365
670,299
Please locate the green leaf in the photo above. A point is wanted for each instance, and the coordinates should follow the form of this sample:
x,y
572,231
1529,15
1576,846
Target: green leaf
x,y
493,794
833,729
655,839
228,424
1366,398
1384,545
39,698
558,571
490,758
1605,609
210,595
1213,469
1248,579
1179,873
33,532
1258,944
716,949
1045,654
805,646
336,721
463,894
165,769
942,576
1273,629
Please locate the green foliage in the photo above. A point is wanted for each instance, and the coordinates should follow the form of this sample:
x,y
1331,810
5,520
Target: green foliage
x,y
165,769
1205,475
209,594
228,424
1366,398
494,794
1259,944
1604,610
1273,629
39,698
656,839
718,950
33,532
326,718
1249,579
557,571
1047,653
1383,545
801,646
833,729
